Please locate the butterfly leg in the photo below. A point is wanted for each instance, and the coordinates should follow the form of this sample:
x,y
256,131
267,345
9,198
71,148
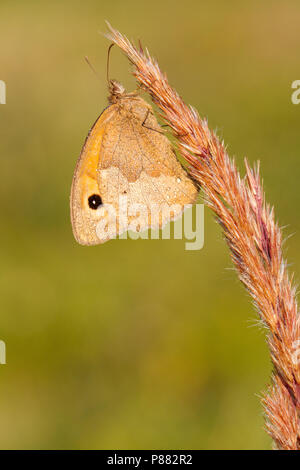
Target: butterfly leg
x,y
147,127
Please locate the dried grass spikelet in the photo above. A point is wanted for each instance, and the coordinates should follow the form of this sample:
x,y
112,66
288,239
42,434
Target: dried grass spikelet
x,y
251,232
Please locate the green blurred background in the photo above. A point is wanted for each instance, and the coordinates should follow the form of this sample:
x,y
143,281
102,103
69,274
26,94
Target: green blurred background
x,y
135,344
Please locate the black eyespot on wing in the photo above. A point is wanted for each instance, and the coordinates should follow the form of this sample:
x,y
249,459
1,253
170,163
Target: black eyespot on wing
x,y
95,201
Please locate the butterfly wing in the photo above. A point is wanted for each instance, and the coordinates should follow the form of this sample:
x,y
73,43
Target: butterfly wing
x,y
86,199
139,174
127,176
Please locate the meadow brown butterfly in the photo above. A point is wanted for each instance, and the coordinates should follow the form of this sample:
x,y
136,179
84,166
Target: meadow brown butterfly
x,y
127,176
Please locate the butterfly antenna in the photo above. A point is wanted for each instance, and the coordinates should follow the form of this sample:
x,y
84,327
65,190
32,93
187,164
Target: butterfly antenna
x,y
91,66
107,64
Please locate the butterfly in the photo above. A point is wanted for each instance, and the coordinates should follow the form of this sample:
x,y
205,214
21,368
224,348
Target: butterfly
x,y
127,176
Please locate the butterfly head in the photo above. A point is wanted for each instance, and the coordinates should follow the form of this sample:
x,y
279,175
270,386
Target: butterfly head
x,y
116,91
